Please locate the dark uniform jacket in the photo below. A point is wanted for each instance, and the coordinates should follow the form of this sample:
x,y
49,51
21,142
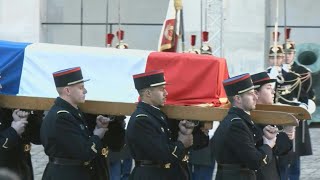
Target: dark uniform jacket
x,y
152,146
15,150
238,147
203,156
305,92
303,148
74,152
271,170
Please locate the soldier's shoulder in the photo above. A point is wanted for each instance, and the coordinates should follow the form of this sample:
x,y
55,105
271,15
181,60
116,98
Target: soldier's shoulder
x,y
302,68
62,112
141,115
235,119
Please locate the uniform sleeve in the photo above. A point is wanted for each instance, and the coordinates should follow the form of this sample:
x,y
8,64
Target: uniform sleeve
x,y
115,136
33,127
150,138
283,144
240,139
70,138
200,139
8,138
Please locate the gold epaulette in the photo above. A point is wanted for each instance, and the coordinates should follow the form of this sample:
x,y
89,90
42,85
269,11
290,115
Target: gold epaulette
x,y
62,111
141,115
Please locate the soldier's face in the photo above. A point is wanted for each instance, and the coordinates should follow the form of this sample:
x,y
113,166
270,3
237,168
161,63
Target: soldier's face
x,y
158,95
275,61
77,93
266,94
289,57
248,100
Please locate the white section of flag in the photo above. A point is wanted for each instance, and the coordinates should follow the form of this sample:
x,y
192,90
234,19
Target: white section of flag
x,y
109,70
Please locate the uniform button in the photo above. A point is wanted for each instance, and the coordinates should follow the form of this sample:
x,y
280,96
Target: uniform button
x,y
91,168
254,135
86,126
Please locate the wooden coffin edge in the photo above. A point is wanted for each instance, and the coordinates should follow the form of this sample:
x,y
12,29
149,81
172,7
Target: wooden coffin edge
x,y
173,111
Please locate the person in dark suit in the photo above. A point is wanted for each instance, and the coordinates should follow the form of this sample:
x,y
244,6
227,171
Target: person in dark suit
x,y
77,148
265,92
202,161
158,155
18,129
301,95
239,145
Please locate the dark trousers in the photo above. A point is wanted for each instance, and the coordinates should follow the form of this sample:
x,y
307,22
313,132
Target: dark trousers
x,y
120,170
290,171
202,172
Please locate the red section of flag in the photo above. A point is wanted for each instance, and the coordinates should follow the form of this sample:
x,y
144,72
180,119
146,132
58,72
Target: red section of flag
x,y
194,79
169,37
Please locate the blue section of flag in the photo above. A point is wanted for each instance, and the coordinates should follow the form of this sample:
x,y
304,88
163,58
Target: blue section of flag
x,y
11,62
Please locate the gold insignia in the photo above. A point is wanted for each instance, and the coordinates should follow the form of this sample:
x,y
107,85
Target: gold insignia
x,y
167,166
185,158
27,147
169,32
105,151
62,111
4,144
86,163
265,159
162,129
93,147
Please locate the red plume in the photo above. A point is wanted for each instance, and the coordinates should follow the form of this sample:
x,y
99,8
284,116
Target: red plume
x,y
287,33
205,35
193,40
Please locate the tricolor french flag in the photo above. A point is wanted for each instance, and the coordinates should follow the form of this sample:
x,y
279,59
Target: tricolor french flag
x,y
26,70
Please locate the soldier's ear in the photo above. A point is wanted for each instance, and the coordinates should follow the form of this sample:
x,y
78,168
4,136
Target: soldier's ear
x,y
148,92
67,90
237,98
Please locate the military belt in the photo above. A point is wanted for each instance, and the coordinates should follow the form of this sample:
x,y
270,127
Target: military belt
x,y
68,162
233,167
148,163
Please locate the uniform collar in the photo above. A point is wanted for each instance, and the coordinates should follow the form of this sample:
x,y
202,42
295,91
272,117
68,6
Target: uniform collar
x,y
67,106
241,113
156,112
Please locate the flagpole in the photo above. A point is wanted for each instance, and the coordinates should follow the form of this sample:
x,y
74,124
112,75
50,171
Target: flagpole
x,y
285,27
206,15
182,31
119,23
276,32
107,20
201,43
81,23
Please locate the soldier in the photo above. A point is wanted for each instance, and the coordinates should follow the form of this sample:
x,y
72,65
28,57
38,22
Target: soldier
x,y
240,147
17,130
75,149
301,94
157,154
265,92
